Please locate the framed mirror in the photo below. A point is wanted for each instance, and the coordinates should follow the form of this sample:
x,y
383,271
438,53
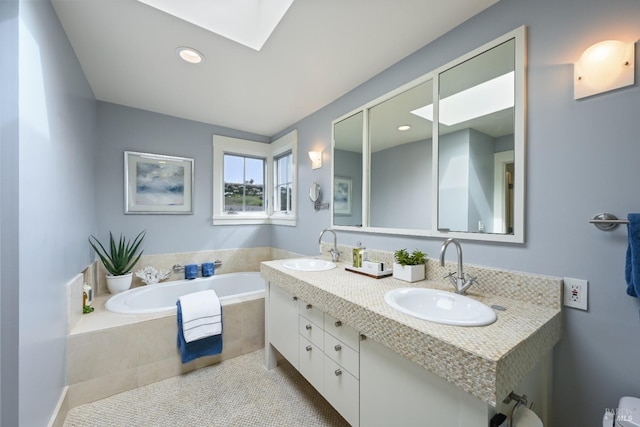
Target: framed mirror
x,y
400,165
441,156
480,143
347,170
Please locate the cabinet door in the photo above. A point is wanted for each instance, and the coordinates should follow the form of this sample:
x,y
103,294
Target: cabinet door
x,y
311,363
341,389
391,384
283,323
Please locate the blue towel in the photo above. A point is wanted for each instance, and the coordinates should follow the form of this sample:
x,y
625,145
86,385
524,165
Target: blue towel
x,y
632,267
208,346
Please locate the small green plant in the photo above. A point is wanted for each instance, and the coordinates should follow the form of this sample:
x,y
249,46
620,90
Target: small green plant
x,y
121,256
403,257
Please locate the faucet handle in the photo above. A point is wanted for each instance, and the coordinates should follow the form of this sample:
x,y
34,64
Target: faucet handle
x,y
451,274
470,279
453,278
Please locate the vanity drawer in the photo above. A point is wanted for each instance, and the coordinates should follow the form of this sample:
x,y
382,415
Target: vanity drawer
x,y
344,333
311,362
342,391
342,354
310,312
311,331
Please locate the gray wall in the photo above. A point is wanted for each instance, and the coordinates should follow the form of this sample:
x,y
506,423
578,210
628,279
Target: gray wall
x,y
127,129
57,154
581,160
8,213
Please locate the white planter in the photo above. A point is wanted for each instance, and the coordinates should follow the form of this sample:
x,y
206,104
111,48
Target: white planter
x,y
409,273
117,284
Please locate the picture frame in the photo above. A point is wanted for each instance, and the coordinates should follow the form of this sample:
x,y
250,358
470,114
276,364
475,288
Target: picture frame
x,y
342,195
157,184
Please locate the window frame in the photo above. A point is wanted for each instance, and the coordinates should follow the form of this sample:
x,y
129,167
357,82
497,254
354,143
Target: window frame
x,y
226,145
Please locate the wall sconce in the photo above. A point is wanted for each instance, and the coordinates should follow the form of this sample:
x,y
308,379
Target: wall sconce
x,y
316,159
603,67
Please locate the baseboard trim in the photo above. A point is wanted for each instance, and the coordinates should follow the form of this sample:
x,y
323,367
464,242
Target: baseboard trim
x,y
60,413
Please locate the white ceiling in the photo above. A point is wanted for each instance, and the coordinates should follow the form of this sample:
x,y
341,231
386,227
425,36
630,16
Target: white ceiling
x,y
320,50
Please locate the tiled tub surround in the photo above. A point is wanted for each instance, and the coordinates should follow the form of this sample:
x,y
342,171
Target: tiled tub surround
x,y
108,353
487,362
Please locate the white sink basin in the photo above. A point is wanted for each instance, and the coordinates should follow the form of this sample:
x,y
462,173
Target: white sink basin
x,y
309,264
440,307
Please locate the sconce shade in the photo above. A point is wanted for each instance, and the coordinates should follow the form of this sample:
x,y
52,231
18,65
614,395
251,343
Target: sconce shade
x,y
603,67
316,159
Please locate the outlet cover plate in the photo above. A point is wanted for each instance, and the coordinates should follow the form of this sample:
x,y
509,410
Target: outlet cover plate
x,y
575,293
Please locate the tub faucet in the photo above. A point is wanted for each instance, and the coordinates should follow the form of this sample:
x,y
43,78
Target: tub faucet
x,y
458,279
335,253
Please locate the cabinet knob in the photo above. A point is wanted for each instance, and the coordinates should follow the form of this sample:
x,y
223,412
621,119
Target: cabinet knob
x,y
338,324
308,327
338,372
363,337
309,348
294,298
309,306
337,347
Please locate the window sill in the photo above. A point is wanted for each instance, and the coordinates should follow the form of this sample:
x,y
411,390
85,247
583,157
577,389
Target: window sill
x,y
254,220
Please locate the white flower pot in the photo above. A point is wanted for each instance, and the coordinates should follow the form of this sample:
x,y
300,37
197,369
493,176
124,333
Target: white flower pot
x,y
409,273
117,284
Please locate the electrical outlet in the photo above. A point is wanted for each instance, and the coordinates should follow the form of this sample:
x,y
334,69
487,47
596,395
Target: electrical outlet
x,y
576,293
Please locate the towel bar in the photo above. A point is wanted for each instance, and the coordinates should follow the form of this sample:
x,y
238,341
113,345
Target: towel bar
x,y
607,221
179,267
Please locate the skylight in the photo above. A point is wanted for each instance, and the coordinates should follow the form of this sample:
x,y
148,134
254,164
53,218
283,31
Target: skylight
x,y
248,22
477,101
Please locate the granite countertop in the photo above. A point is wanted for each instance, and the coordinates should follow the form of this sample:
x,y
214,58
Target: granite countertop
x,y
487,362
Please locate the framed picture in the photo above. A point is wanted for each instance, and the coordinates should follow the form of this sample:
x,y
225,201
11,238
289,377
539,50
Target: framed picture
x,y
342,196
157,184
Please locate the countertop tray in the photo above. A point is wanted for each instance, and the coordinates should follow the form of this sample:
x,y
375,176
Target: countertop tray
x,y
369,273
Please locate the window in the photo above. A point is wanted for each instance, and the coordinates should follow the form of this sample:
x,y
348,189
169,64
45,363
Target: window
x,y
243,183
254,182
283,180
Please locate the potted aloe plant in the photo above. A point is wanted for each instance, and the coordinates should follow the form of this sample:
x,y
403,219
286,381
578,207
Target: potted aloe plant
x,y
409,267
119,260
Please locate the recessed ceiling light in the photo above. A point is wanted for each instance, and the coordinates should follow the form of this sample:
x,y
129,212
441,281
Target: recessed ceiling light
x,y
404,127
190,55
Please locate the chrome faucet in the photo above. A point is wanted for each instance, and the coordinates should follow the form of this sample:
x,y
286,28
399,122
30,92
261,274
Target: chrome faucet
x,y
458,279
335,253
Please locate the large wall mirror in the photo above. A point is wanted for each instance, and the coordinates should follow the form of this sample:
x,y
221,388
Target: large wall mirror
x,y
441,156
347,171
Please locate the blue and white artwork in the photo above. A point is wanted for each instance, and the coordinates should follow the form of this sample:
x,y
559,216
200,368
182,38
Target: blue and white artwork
x,y
159,184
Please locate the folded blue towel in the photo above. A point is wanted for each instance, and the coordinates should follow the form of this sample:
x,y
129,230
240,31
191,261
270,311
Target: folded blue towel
x,y
632,267
208,346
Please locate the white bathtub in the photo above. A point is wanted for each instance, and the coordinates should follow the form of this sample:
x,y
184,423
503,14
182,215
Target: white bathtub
x,y
162,297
